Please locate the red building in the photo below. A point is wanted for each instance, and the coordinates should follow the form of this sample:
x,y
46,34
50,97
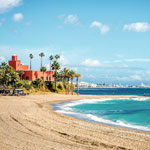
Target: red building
x,y
30,74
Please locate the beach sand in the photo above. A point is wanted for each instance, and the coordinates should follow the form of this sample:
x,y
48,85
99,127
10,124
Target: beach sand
x,y
29,123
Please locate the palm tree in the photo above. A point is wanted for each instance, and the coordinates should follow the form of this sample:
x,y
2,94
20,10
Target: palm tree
x,y
38,83
72,75
55,67
78,76
14,78
31,57
66,75
41,55
51,58
43,69
2,75
57,57
21,73
5,74
7,79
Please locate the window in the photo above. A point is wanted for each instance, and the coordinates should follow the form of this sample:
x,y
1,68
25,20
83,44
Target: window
x,y
27,77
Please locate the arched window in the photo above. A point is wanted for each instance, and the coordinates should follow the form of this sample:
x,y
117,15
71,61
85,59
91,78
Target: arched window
x,y
27,77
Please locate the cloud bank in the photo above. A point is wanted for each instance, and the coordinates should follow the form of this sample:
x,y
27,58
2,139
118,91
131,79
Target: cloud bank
x,y
71,19
103,28
17,17
138,27
91,63
6,5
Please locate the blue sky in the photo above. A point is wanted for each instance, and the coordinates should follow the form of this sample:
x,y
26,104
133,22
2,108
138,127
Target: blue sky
x,y
107,41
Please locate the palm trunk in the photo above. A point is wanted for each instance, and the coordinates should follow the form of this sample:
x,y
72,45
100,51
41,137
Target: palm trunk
x,y
55,80
66,85
30,63
77,87
41,62
50,70
50,66
72,85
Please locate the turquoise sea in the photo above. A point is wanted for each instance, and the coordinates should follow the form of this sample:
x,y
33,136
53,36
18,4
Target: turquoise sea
x,y
132,113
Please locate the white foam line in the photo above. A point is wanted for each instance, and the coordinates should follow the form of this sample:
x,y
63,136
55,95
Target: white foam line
x,y
65,109
101,120
66,106
118,123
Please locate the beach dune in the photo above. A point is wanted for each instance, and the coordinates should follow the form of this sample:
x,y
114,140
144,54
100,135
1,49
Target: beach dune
x,y
29,123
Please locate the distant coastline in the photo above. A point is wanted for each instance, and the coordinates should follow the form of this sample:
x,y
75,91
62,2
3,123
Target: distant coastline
x,y
135,91
113,88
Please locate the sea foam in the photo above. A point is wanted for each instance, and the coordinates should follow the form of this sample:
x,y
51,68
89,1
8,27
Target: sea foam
x,y
65,108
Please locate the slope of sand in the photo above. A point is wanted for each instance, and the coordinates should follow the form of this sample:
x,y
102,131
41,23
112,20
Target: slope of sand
x,y
29,123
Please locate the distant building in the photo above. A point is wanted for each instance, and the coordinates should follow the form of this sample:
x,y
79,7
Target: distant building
x,y
86,85
30,74
144,86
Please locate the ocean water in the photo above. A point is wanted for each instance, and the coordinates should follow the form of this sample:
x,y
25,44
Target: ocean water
x,y
128,113
115,91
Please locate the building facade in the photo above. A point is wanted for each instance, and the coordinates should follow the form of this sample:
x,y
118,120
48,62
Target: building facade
x,y
30,74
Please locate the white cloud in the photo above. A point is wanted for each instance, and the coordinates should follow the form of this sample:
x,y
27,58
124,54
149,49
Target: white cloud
x,y
135,77
6,5
129,78
63,60
91,63
103,28
138,60
138,27
71,19
18,17
2,59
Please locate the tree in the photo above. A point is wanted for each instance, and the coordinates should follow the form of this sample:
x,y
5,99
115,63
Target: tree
x,y
38,83
31,57
41,55
5,74
43,69
14,79
2,74
65,73
57,57
78,76
55,67
51,58
72,75
21,73
7,79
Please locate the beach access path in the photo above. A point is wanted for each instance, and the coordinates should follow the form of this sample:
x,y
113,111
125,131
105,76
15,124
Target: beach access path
x,y
29,123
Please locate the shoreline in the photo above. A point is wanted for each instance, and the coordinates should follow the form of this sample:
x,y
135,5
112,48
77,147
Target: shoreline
x,y
64,108
30,123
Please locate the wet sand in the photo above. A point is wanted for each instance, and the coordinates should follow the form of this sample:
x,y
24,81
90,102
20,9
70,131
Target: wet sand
x,y
29,123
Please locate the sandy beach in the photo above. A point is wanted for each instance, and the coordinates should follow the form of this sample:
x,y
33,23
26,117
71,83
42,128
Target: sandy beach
x,y
29,123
